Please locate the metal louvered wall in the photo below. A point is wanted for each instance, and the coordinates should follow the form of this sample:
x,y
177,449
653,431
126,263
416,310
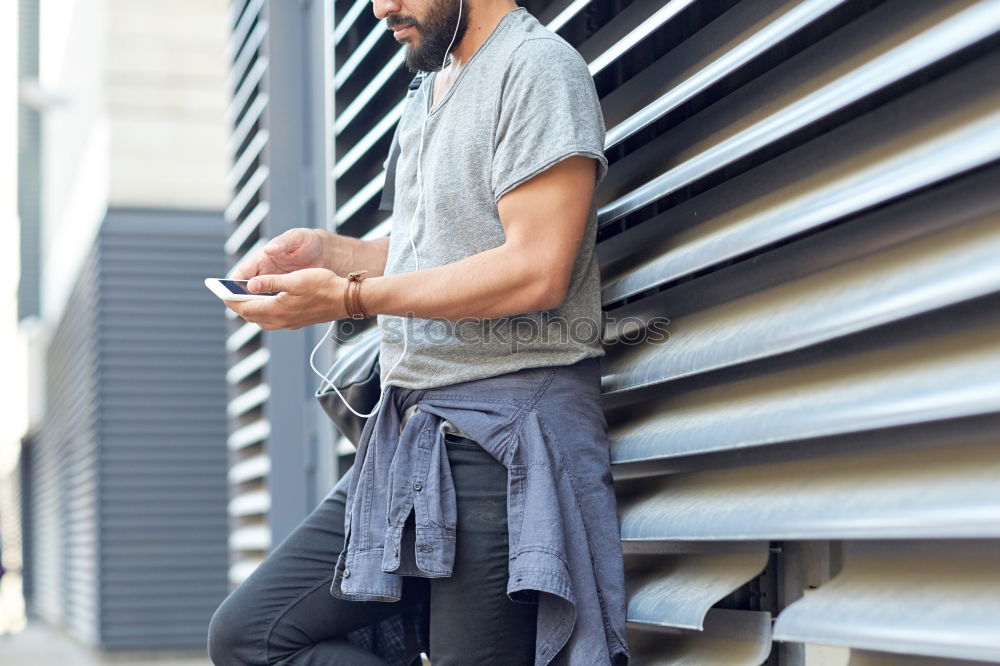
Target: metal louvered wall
x,y
806,190
63,466
276,151
162,465
128,488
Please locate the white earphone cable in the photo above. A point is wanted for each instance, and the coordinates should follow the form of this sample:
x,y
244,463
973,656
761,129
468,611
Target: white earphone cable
x,y
327,381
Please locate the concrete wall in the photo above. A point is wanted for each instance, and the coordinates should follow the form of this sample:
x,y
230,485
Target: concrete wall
x,y
166,94
143,125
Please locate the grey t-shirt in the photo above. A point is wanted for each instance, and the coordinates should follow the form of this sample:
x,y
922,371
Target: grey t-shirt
x,y
523,102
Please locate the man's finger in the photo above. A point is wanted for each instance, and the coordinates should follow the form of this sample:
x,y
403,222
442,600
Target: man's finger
x,y
264,284
249,310
275,246
286,243
239,307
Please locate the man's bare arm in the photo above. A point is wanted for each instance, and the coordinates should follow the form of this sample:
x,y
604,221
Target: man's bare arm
x,y
544,221
301,248
343,254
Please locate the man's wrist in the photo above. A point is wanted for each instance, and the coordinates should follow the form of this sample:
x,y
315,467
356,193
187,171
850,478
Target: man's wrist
x,y
372,295
335,254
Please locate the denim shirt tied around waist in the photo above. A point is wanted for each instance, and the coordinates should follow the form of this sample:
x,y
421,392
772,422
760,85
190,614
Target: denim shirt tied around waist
x,y
545,425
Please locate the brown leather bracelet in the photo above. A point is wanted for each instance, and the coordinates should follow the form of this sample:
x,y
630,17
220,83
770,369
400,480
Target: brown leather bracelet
x,y
352,296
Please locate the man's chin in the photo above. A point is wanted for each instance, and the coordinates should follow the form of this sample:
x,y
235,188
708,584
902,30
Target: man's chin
x,y
413,63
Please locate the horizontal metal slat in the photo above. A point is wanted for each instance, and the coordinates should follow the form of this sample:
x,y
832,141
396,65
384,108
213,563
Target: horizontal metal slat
x,y
370,139
249,469
931,598
121,551
242,336
247,366
174,566
241,29
564,11
343,71
680,589
364,195
253,433
257,502
249,154
236,8
873,658
164,428
252,537
344,25
248,400
246,89
633,35
730,638
246,124
243,197
380,230
250,225
239,67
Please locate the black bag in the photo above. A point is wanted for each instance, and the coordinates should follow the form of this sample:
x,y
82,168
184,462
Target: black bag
x,y
355,373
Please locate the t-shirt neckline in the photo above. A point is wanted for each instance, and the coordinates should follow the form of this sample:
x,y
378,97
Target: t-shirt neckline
x,y
432,77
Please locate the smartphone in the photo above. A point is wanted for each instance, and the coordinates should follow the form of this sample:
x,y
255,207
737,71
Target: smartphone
x,y
233,290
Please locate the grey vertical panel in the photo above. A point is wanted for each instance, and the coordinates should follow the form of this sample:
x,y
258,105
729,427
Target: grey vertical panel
x,y
163,459
320,463
289,193
29,148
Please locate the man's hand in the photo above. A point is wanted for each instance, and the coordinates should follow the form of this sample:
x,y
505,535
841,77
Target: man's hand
x,y
309,296
291,251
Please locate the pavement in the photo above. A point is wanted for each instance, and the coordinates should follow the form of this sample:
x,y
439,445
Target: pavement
x,y
25,642
38,644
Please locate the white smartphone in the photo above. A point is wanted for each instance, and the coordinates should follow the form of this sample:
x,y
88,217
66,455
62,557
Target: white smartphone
x,y
233,290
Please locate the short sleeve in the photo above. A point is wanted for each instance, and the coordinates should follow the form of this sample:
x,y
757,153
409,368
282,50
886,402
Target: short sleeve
x,y
548,110
388,200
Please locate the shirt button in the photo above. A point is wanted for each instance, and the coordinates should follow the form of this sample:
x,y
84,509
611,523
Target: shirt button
x,y
347,573
418,486
395,551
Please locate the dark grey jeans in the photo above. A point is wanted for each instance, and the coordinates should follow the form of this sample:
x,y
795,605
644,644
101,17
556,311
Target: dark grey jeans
x,y
284,612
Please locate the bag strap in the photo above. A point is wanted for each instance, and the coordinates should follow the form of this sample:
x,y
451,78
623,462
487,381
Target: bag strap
x,y
389,188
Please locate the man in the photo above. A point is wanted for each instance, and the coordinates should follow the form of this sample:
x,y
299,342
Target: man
x,y
481,499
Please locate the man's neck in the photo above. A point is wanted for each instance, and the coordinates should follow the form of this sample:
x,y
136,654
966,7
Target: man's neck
x,y
483,18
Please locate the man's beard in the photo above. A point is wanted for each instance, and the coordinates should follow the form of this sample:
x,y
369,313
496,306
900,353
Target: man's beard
x,y
436,32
